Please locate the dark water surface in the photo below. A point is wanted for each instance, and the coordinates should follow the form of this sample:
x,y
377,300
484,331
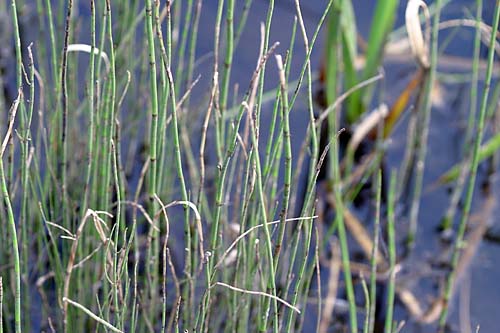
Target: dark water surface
x,y
445,143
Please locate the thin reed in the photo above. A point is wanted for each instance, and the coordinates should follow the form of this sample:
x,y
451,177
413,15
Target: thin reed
x,y
192,166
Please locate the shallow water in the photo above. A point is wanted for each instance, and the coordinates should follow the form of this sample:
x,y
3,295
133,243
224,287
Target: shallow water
x,y
445,142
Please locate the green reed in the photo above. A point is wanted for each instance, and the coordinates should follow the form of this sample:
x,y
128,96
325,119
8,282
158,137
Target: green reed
x,y
146,184
458,245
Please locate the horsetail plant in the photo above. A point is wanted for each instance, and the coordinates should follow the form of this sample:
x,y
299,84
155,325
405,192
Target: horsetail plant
x,y
450,282
84,135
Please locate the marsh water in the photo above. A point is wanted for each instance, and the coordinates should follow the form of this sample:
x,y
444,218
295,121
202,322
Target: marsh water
x,y
479,290
479,287
480,295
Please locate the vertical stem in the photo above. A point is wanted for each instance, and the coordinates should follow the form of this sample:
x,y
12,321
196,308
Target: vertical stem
x,y
422,148
5,193
226,74
25,227
152,186
219,120
392,254
472,180
17,39
15,250
53,48
64,101
339,221
11,222
110,112
111,159
192,48
179,74
310,191
332,58
91,126
331,80
458,189
119,308
285,112
373,260
19,83
154,99
165,53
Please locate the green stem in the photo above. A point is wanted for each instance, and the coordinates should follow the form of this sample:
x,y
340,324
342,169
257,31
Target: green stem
x,y
15,250
226,74
392,254
154,100
285,118
373,259
422,143
91,126
472,180
219,119
11,223
458,189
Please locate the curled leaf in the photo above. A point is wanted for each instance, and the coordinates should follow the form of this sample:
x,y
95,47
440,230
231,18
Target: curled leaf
x,y
419,46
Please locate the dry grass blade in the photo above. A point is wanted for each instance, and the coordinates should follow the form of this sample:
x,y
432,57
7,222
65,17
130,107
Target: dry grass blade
x,y
204,129
57,226
188,92
12,113
138,206
193,207
367,125
74,246
244,234
259,293
359,233
483,28
88,49
345,95
402,101
419,46
92,315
